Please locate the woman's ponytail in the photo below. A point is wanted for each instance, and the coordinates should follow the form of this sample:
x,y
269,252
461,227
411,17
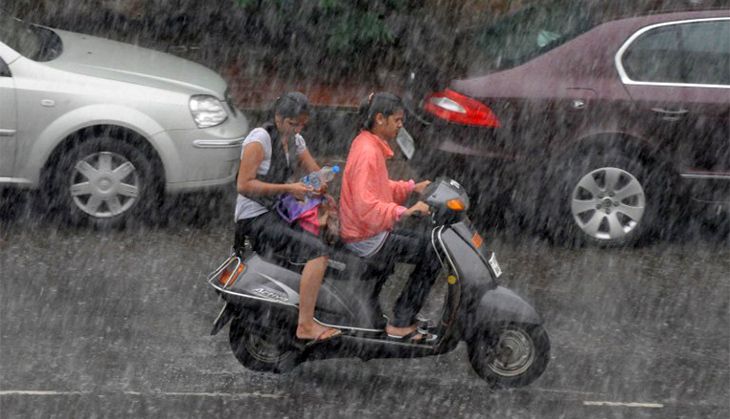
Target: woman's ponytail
x,y
381,102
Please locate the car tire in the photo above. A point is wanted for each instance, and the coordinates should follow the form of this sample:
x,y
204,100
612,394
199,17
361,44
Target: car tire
x,y
105,182
603,198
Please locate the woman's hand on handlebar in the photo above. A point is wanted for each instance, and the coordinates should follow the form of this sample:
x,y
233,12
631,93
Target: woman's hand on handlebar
x,y
419,208
421,186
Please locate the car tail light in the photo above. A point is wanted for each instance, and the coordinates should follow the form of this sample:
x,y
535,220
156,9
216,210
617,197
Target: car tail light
x,y
455,107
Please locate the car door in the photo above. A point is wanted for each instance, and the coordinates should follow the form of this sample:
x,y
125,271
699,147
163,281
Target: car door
x,y
678,75
7,121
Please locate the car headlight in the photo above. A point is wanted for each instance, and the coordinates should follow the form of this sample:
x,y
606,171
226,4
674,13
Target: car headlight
x,y
207,111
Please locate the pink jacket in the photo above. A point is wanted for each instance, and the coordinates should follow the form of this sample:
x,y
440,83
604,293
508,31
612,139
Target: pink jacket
x,y
369,201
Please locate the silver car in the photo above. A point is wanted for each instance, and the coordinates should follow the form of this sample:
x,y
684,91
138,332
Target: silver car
x,y
104,128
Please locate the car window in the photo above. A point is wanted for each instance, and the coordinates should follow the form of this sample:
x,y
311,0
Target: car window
x,y
516,38
706,48
655,56
689,53
30,41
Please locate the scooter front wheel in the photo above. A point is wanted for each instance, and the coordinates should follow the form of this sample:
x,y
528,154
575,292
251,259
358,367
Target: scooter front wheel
x,y
259,351
510,355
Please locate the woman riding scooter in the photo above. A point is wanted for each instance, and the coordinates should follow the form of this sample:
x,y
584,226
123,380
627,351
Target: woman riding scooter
x,y
371,205
505,337
264,171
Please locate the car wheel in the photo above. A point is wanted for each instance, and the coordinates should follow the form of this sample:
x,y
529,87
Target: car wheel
x,y
103,181
604,199
510,355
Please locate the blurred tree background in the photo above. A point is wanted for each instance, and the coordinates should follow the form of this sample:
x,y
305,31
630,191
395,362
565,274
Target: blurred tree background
x,y
335,51
279,43
327,40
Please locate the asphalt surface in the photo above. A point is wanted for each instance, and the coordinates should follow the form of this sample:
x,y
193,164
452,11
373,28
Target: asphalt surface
x,y
116,324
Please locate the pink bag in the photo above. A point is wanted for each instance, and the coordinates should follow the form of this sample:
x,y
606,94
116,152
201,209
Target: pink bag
x,y
315,215
290,209
309,220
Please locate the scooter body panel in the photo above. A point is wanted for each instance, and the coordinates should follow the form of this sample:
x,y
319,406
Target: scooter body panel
x,y
267,281
469,265
342,299
485,301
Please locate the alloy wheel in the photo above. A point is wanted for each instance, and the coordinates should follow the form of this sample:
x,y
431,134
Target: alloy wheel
x,y
104,184
608,203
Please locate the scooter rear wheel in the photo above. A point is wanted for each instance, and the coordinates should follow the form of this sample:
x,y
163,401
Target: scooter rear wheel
x,y
259,351
510,355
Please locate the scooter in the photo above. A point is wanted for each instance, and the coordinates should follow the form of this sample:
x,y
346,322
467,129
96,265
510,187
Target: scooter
x,y
507,343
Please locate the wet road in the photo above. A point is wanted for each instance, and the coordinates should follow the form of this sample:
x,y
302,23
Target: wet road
x,y
116,324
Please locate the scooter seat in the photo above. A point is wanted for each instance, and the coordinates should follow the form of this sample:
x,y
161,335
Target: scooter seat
x,y
343,264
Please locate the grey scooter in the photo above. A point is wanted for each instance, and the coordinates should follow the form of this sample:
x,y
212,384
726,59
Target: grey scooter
x,y
506,340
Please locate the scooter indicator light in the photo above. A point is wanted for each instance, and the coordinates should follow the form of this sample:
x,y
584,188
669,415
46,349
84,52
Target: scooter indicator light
x,y
451,279
477,240
228,276
455,205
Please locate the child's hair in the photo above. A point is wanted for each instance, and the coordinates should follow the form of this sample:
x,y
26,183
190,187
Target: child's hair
x,y
381,102
291,105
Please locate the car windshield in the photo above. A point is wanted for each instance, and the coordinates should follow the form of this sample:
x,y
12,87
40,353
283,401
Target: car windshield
x,y
31,41
516,38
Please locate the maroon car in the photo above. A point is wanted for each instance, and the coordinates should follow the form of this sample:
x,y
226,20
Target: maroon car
x,y
600,132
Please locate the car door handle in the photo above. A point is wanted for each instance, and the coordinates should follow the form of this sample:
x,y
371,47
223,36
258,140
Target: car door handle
x,y
670,114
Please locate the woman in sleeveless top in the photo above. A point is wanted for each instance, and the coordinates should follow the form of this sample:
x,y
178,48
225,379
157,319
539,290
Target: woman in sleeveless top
x,y
267,161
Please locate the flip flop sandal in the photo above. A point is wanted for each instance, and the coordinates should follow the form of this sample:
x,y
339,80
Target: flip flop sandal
x,y
319,339
421,323
409,338
426,329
